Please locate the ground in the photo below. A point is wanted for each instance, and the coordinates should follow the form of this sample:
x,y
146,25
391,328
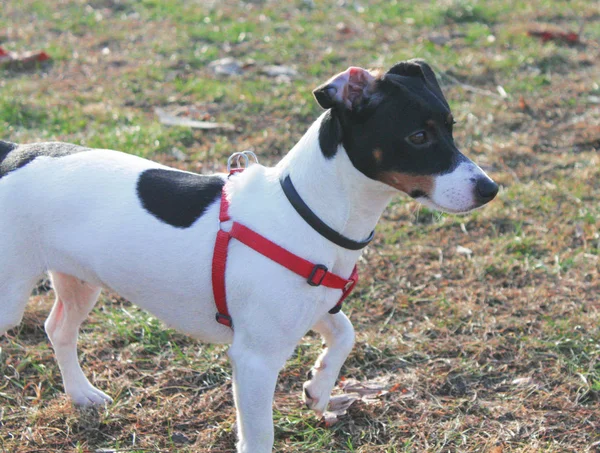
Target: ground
x,y
484,328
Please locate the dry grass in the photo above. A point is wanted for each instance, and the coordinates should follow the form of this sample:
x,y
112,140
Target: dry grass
x,y
492,350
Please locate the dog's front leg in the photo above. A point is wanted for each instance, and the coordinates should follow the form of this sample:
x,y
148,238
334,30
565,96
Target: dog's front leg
x,y
338,334
255,371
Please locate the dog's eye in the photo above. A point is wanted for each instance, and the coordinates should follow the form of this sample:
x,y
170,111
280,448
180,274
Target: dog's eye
x,y
418,138
450,125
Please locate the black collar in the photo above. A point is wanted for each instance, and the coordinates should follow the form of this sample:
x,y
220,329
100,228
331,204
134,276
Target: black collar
x,y
318,225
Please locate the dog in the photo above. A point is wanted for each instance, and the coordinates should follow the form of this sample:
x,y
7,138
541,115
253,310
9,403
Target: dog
x,y
98,219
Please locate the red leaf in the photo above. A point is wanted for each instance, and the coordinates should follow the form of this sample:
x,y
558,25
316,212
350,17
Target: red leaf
x,y
395,388
546,35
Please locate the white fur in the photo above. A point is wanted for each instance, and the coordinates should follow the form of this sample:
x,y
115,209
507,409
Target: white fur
x,y
79,218
455,191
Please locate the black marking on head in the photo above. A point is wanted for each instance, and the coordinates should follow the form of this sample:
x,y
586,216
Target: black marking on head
x,y
404,101
407,68
419,68
176,197
431,80
330,134
13,157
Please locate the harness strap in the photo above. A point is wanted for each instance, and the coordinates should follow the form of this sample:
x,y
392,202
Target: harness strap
x,y
219,263
315,274
218,277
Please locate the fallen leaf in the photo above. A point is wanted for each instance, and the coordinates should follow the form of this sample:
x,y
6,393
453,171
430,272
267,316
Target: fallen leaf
x,y
396,387
338,405
368,392
280,71
522,104
343,29
463,250
25,60
555,35
522,381
363,389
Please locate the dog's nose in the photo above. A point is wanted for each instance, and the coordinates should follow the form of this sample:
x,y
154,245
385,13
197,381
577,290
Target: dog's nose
x,y
486,189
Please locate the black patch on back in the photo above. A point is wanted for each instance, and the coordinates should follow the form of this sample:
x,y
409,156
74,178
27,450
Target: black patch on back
x,y
5,148
176,197
330,134
13,156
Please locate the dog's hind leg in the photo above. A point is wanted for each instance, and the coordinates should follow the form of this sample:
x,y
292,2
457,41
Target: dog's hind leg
x,y
338,334
14,294
74,301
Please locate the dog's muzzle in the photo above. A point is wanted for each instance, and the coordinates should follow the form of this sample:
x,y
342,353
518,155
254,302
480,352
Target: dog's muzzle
x,y
465,188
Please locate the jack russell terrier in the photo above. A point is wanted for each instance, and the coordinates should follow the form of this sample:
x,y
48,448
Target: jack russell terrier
x,y
98,219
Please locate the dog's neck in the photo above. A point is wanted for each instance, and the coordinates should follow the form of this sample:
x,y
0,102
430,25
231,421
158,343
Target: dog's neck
x,y
339,194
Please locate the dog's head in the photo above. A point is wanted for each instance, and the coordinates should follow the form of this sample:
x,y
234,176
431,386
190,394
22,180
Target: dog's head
x,y
397,128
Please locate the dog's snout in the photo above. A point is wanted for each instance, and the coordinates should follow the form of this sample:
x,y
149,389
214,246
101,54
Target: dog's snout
x,y
485,189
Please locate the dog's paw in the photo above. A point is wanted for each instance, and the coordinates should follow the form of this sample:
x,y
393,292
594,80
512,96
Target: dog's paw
x,y
89,396
317,391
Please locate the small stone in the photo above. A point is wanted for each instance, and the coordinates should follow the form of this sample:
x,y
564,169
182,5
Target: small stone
x,y
227,67
180,438
438,38
178,154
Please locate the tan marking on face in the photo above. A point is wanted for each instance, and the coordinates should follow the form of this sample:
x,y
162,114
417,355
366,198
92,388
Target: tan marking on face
x,y
408,183
450,119
378,155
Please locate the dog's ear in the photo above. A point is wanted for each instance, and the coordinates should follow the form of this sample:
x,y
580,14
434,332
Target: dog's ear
x,y
430,78
346,89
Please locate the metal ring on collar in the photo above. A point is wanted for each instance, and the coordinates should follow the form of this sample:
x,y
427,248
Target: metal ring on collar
x,y
237,159
251,154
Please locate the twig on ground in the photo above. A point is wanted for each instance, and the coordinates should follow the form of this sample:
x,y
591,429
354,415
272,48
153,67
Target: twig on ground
x,y
471,88
168,119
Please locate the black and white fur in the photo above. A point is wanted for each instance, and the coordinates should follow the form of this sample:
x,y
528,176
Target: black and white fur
x,y
100,219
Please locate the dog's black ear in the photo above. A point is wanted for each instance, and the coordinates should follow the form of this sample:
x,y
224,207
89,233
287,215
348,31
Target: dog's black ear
x,y
347,89
430,78
409,68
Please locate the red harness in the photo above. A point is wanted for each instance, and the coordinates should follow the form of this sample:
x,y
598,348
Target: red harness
x,y
315,274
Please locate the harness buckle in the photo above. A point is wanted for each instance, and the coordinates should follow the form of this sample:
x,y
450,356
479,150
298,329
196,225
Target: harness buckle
x,y
318,267
224,319
349,286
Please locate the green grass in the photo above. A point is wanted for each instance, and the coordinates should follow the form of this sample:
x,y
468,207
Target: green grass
x,y
496,350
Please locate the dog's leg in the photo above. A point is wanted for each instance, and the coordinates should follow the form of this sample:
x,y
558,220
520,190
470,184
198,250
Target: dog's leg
x,y
74,301
338,334
14,294
255,371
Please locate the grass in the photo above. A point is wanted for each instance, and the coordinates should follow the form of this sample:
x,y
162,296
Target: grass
x,y
497,350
